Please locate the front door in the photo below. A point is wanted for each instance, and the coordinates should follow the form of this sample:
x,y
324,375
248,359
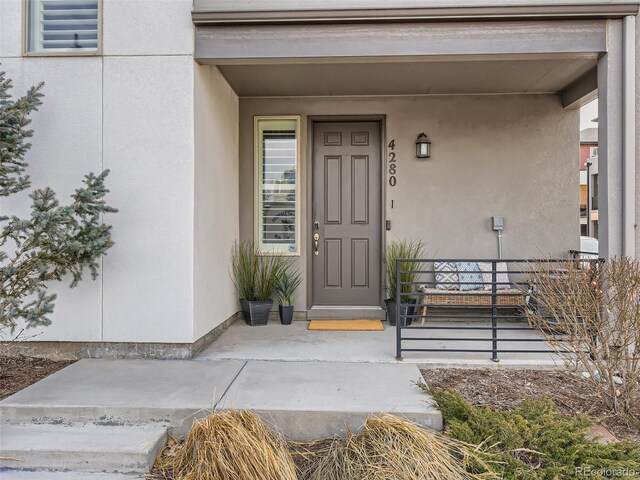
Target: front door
x,y
346,214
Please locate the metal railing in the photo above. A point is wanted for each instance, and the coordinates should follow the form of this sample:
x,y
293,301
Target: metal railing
x,y
496,306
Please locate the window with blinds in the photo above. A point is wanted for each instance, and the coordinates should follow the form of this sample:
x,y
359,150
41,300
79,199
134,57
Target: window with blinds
x,y
64,26
277,184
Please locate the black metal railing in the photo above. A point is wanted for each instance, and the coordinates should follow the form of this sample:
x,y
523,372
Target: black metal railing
x,y
497,306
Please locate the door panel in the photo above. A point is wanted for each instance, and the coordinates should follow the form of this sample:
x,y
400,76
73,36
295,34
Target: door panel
x,y
347,208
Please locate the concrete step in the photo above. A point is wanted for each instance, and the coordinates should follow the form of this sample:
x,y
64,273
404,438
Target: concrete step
x,y
315,400
121,392
44,475
305,400
81,448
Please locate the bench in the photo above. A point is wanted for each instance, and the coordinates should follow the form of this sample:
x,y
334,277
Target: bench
x,y
452,296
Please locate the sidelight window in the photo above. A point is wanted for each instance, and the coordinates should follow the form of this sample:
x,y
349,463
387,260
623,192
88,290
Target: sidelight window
x,y
277,184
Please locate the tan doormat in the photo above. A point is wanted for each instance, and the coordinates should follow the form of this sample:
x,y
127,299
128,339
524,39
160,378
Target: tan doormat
x,y
346,325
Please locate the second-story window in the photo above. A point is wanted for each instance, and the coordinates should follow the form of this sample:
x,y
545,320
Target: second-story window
x,y
64,27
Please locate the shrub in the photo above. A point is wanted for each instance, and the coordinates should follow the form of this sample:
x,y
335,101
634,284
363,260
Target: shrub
x,y
591,317
55,240
533,441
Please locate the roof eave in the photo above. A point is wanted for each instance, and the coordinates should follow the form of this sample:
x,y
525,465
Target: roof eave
x,y
487,12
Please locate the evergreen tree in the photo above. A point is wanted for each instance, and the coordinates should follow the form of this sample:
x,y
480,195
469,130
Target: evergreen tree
x,y
55,240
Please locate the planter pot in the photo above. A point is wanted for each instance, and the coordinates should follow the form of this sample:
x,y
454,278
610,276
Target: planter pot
x,y
256,312
404,310
286,314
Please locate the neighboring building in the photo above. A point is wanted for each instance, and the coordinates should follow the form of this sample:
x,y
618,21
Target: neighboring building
x,y
588,181
278,120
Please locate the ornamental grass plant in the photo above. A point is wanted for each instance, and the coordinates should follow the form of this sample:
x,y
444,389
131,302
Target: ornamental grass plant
x,y
229,445
288,282
256,275
391,448
402,249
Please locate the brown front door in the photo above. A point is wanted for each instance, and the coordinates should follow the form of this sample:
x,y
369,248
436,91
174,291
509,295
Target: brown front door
x,y
346,214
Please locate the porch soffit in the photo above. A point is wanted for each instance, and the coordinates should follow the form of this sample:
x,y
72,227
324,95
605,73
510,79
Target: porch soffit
x,y
331,11
496,76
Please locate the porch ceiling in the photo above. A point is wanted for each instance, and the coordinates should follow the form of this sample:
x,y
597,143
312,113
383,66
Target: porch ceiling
x,y
495,76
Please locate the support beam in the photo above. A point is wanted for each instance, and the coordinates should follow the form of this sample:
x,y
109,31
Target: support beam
x,y
629,136
582,91
610,143
637,151
291,43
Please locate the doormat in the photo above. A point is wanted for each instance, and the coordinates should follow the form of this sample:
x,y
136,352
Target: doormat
x,y
346,325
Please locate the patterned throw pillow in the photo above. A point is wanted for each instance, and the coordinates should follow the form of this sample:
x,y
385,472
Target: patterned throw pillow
x,y
446,276
502,277
469,275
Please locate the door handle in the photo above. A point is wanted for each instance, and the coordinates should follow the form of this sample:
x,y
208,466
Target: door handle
x,y
316,238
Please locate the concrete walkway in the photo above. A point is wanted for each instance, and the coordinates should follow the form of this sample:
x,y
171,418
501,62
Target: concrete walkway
x,y
113,415
294,343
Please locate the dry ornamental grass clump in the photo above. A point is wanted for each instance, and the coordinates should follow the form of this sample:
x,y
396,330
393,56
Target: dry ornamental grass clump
x,y
390,448
230,445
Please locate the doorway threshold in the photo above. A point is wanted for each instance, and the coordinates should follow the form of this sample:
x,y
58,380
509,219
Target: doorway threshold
x,y
342,312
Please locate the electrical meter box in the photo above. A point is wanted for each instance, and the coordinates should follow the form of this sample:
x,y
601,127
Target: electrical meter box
x,y
497,223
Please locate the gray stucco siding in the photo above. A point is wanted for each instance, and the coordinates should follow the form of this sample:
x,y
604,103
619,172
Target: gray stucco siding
x,y
509,155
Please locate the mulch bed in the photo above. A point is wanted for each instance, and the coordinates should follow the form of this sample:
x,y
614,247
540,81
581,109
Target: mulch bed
x,y
19,372
507,389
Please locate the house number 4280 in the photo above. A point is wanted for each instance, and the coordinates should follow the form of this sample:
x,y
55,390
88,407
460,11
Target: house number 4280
x,y
393,166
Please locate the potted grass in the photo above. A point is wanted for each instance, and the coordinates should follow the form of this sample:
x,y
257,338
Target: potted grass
x,y
400,249
287,283
255,278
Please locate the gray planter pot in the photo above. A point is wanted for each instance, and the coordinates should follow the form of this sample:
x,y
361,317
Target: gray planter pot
x,y
405,310
286,314
256,312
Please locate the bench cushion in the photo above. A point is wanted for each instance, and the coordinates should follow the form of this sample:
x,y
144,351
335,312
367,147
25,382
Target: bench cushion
x,y
469,275
446,276
502,277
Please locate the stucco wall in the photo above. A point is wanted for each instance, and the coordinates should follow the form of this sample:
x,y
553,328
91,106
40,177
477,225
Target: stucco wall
x,y
129,110
216,198
491,155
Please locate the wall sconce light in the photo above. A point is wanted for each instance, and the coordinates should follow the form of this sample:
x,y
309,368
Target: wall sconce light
x,y
423,146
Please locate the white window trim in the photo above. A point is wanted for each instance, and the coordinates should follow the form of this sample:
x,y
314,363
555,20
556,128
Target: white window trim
x,y
60,53
256,184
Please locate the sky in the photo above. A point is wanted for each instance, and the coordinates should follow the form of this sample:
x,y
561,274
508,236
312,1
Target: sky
x,y
588,113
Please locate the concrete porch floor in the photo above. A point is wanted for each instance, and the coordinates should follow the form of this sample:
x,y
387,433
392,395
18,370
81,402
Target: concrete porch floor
x,y
294,343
